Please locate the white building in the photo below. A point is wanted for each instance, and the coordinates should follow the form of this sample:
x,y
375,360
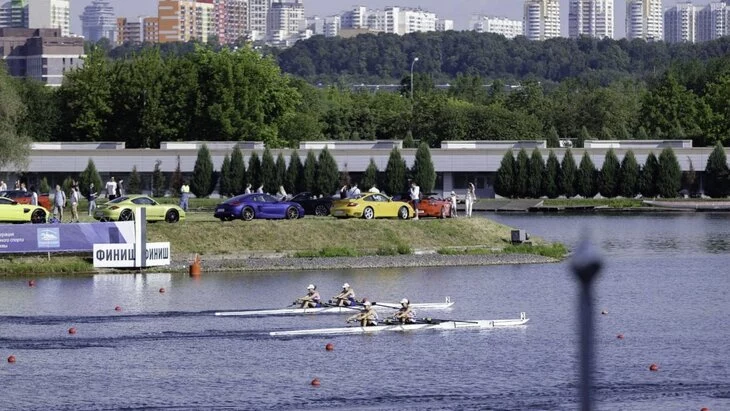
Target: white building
x,y
444,25
644,20
14,13
332,26
394,20
498,25
206,27
286,19
258,18
713,21
541,19
680,23
593,18
50,14
98,21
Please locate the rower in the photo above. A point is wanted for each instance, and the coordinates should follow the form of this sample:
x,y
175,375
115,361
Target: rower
x,y
405,314
312,299
346,297
367,317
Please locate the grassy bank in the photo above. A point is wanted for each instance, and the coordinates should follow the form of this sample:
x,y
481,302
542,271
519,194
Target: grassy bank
x,y
26,265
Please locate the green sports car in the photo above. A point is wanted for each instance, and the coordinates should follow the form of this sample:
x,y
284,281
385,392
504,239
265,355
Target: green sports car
x,y
122,209
13,212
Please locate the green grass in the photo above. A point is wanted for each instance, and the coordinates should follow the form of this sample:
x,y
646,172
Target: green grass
x,y
26,265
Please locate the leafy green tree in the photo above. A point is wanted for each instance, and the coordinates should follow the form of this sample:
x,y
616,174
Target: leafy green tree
x,y
203,182
610,175
522,174
536,182
370,177
176,180
294,174
268,172
669,178
629,182
408,141
309,176
254,171
568,175
328,173
225,180
583,137
42,116
647,181
14,146
158,180
280,171
88,176
587,177
717,174
553,138
623,133
552,174
134,186
395,173
504,185
423,171
641,134
237,181
669,105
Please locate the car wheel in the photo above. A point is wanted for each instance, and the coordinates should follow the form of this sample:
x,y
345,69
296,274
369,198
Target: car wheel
x,y
248,214
172,216
292,213
368,213
403,213
38,217
126,215
321,210
442,214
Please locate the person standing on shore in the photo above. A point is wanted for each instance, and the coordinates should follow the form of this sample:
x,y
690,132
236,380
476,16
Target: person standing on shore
x,y
33,196
248,189
454,213
92,199
120,188
470,198
59,202
111,189
415,193
75,197
3,186
184,196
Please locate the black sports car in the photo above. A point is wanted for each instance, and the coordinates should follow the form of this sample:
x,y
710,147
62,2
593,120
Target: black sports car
x,y
312,204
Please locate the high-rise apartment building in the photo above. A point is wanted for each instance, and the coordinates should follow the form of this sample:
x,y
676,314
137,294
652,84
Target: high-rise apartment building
x,y
395,20
50,14
444,24
286,19
169,15
151,30
236,24
40,54
98,21
713,21
14,13
644,20
593,18
258,18
185,20
498,25
205,20
129,31
541,19
332,26
680,23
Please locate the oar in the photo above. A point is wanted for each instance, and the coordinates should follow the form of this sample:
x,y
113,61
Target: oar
x,y
439,320
395,307
340,306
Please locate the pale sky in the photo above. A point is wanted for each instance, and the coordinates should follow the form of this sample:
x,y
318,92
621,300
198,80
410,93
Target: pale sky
x,y
457,10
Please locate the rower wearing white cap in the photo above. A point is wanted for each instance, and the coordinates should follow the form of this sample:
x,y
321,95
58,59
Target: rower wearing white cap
x,y
312,299
405,313
367,317
346,297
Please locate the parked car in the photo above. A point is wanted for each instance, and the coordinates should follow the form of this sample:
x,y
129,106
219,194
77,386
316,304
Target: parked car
x,y
123,208
431,205
312,204
257,205
12,211
25,197
372,205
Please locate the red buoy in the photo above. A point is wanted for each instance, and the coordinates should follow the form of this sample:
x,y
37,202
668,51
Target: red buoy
x,y
704,409
117,308
31,283
11,359
620,336
653,367
162,290
329,347
315,382
72,330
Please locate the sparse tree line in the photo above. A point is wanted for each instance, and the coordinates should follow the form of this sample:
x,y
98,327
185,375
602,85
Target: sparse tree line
x,y
530,176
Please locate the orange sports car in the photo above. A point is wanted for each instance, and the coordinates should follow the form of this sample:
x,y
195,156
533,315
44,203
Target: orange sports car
x,y
432,206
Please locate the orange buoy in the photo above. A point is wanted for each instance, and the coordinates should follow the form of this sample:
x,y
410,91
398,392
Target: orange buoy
x,y
329,347
11,359
315,382
653,367
117,308
31,283
195,268
72,330
620,336
704,409
162,290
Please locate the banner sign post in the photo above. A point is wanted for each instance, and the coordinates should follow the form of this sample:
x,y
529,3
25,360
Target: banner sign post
x,y
80,237
125,255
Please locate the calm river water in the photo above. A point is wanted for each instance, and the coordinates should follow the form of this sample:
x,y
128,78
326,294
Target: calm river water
x,y
665,286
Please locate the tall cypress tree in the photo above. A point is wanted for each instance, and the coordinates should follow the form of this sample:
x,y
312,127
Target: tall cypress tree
x,y
629,182
610,175
88,176
158,180
203,182
522,174
309,176
535,184
641,134
423,171
254,171
552,173
224,181
237,174
135,182
281,171
268,172
370,178
553,138
583,136
504,185
568,175
689,179
176,181
395,173
647,181
294,174
587,177
328,174
669,178
717,173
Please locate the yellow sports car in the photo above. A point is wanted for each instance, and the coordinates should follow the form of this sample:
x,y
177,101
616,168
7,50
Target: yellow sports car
x,y
122,209
372,205
14,212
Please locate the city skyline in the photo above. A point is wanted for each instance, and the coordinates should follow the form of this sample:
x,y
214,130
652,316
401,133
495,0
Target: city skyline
x,y
458,10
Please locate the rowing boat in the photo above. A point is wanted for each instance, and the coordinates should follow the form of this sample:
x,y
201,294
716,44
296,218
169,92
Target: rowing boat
x,y
332,310
425,324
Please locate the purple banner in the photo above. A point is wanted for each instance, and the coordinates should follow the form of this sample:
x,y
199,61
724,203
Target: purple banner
x,y
42,238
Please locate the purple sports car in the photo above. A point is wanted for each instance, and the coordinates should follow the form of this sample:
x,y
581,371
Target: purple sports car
x,y
250,206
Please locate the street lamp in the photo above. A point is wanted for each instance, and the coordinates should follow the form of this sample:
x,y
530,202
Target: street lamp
x,y
415,59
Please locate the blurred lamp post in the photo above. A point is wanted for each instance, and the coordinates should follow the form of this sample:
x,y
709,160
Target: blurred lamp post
x,y
415,59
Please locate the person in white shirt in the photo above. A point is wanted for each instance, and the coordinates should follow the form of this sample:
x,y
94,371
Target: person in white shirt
x,y
3,186
281,195
415,193
354,191
248,189
374,189
75,197
470,198
453,204
33,196
260,190
111,189
184,196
